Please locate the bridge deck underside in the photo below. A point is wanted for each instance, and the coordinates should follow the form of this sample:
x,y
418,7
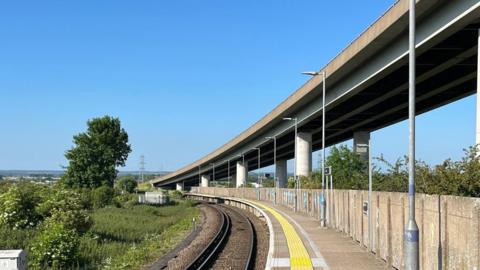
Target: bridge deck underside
x,y
446,72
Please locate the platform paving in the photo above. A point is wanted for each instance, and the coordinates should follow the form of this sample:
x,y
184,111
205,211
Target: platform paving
x,y
328,249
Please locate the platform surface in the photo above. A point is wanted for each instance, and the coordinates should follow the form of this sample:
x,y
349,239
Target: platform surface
x,y
300,243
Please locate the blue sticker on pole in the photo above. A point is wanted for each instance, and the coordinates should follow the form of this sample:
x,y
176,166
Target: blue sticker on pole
x,y
411,236
411,190
322,199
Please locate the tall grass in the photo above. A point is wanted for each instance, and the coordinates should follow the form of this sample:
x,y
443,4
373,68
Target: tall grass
x,y
121,238
117,231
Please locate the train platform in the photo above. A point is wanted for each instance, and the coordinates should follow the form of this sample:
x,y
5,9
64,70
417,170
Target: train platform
x,y
300,243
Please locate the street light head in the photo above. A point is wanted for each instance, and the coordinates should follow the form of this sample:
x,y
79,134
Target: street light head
x,y
287,118
311,73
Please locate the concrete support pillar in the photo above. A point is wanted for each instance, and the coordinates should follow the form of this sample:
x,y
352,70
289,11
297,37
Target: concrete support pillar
x,y
205,180
360,144
180,186
242,172
281,173
477,128
304,153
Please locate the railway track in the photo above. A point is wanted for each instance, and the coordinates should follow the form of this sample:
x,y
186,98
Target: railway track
x,y
232,247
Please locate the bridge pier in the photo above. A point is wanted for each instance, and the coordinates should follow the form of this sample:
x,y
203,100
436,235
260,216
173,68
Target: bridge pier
x,y
303,158
180,186
242,172
205,180
281,173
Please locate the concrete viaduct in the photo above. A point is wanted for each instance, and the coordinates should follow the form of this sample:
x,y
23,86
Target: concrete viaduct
x,y
366,90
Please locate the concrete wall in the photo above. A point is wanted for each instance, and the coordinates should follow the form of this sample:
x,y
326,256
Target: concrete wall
x,y
449,225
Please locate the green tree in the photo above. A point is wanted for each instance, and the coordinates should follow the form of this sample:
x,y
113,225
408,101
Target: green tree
x,y
348,169
127,183
96,154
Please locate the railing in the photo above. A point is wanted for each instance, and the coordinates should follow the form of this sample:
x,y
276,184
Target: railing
x,y
449,225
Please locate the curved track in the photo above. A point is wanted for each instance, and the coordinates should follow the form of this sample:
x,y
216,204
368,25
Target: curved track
x,y
232,247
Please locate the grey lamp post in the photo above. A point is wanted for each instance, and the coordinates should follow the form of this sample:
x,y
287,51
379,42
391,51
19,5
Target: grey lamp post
x,y
322,203
275,184
411,236
258,164
213,172
228,172
369,212
294,160
258,172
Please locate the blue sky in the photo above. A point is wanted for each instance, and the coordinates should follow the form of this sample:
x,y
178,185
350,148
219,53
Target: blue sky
x,y
183,76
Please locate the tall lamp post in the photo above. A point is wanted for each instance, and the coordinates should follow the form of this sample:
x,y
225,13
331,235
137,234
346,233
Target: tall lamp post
x,y
199,176
411,231
258,172
258,165
369,212
275,184
228,173
213,173
294,160
322,200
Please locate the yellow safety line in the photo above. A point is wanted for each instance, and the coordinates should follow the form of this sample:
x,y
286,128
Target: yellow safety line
x,y
299,258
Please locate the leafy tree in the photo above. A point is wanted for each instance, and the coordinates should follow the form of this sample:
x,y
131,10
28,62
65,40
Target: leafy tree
x,y
348,169
127,183
97,153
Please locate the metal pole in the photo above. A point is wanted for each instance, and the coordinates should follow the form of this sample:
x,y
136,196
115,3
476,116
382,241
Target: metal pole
x,y
199,177
331,201
213,164
411,230
477,137
228,169
295,167
246,175
275,170
370,184
322,203
258,171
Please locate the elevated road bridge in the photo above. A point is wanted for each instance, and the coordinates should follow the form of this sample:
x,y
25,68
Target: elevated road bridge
x,y
366,90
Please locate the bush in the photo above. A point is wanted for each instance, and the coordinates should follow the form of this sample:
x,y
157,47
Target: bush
x,y
102,196
56,246
125,200
65,206
176,194
127,183
17,206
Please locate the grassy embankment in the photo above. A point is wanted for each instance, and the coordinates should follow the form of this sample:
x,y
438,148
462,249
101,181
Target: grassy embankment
x,y
121,238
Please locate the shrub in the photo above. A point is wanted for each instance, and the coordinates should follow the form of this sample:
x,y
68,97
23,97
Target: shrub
x,y
127,183
65,206
17,207
125,200
56,246
176,194
102,196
